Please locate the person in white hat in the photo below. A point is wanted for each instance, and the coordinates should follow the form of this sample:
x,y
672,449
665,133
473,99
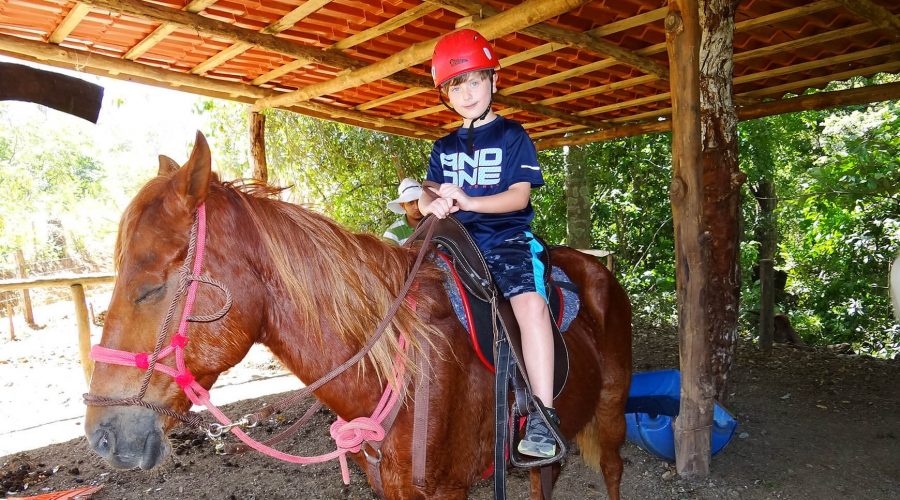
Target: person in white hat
x,y
407,205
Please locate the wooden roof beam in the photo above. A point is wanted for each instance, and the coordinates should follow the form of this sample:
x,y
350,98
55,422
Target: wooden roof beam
x,y
165,29
818,101
590,41
196,23
828,61
875,14
69,23
363,36
133,71
890,67
334,57
774,18
238,48
525,14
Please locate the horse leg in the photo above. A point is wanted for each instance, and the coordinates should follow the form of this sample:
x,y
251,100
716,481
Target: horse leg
x,y
611,436
601,440
537,490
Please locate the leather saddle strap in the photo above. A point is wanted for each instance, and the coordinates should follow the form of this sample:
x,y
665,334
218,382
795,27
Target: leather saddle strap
x,y
502,362
373,460
547,482
420,418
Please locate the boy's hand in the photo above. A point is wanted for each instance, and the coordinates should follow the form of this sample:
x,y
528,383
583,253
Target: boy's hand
x,y
455,193
442,207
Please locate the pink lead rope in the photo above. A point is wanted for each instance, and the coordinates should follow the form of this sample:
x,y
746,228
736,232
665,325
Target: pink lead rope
x,y
349,436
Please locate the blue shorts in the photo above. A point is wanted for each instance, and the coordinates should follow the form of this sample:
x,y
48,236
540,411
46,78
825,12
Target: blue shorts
x,y
516,267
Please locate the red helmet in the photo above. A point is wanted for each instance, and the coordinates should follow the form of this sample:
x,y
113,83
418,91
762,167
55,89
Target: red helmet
x,y
460,52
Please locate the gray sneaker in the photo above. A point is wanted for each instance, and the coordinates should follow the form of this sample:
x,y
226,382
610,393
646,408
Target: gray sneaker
x,y
538,441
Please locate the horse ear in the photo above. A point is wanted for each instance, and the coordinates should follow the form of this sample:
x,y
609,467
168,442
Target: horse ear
x,y
192,181
166,166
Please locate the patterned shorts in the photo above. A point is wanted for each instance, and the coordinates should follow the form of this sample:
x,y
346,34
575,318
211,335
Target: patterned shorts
x,y
514,265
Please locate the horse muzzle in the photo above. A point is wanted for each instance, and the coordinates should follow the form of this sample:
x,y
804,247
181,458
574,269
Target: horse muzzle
x,y
127,437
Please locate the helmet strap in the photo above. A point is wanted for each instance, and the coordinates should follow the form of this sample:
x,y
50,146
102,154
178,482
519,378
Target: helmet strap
x,y
470,137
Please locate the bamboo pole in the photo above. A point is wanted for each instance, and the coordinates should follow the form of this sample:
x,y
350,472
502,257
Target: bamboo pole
x,y
84,330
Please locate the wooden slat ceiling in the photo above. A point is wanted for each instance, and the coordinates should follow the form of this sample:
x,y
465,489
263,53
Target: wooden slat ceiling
x,y
569,67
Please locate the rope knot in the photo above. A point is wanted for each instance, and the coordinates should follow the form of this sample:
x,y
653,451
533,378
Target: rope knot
x,y
179,341
351,435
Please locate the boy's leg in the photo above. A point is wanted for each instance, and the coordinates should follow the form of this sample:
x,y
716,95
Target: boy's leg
x,y
537,349
519,273
533,317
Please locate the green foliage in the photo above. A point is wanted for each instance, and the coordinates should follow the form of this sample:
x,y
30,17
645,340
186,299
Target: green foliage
x,y
630,210
347,172
48,174
836,175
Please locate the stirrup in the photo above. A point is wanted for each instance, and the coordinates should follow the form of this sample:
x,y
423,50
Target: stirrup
x,y
519,460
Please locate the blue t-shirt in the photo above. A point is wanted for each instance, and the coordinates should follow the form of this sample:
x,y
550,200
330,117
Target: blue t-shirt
x,y
504,155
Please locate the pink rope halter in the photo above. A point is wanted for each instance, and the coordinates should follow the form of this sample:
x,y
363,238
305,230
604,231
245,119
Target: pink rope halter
x,y
349,436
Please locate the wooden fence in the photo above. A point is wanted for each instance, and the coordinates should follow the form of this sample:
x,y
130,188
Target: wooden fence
x,y
76,284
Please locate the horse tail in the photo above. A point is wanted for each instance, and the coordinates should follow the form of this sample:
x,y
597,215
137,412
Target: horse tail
x,y
895,286
609,311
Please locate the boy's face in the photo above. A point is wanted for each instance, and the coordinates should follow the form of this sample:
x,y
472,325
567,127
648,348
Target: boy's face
x,y
471,97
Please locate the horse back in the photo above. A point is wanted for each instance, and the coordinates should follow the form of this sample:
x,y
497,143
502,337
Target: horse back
x,y
600,336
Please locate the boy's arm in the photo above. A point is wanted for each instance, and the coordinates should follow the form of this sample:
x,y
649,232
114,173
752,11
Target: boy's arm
x,y
513,199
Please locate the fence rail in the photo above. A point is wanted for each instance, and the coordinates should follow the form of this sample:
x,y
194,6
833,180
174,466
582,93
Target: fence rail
x,y
56,280
76,284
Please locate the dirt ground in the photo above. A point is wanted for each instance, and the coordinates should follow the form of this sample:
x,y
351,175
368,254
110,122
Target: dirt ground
x,y
812,425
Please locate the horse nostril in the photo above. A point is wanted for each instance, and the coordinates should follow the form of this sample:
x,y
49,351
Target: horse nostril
x,y
103,442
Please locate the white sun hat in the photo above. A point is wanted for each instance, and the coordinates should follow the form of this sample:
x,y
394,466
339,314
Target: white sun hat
x,y
408,190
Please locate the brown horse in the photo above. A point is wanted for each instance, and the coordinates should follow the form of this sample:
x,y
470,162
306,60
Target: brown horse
x,y
313,294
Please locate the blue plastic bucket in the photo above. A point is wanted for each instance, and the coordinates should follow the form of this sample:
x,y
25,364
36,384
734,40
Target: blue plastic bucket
x,y
653,404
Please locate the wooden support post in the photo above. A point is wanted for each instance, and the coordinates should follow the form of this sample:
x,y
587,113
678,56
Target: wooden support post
x,y
258,146
22,273
12,324
722,184
84,330
692,426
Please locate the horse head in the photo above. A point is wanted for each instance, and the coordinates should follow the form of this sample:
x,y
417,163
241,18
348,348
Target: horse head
x,y
131,409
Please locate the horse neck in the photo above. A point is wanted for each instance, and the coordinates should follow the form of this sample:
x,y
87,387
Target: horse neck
x,y
328,291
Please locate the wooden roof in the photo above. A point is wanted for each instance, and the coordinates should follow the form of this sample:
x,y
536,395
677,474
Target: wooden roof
x,y
572,70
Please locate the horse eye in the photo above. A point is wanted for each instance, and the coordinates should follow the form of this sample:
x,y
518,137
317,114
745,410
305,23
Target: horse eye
x,y
149,293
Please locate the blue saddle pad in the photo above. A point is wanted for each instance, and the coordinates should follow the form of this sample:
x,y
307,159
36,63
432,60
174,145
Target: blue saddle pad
x,y
475,315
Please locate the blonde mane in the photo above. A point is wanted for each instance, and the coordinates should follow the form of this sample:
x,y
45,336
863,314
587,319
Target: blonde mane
x,y
337,282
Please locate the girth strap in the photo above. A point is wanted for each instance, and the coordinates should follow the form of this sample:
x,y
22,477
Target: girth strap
x,y
502,423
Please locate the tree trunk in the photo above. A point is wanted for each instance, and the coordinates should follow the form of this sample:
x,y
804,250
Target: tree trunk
x,y
722,183
692,436
258,146
578,199
768,239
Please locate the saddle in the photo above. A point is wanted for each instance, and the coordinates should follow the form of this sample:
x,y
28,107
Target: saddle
x,y
451,238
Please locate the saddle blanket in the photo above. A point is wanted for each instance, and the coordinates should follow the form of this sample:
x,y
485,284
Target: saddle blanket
x,y
475,315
